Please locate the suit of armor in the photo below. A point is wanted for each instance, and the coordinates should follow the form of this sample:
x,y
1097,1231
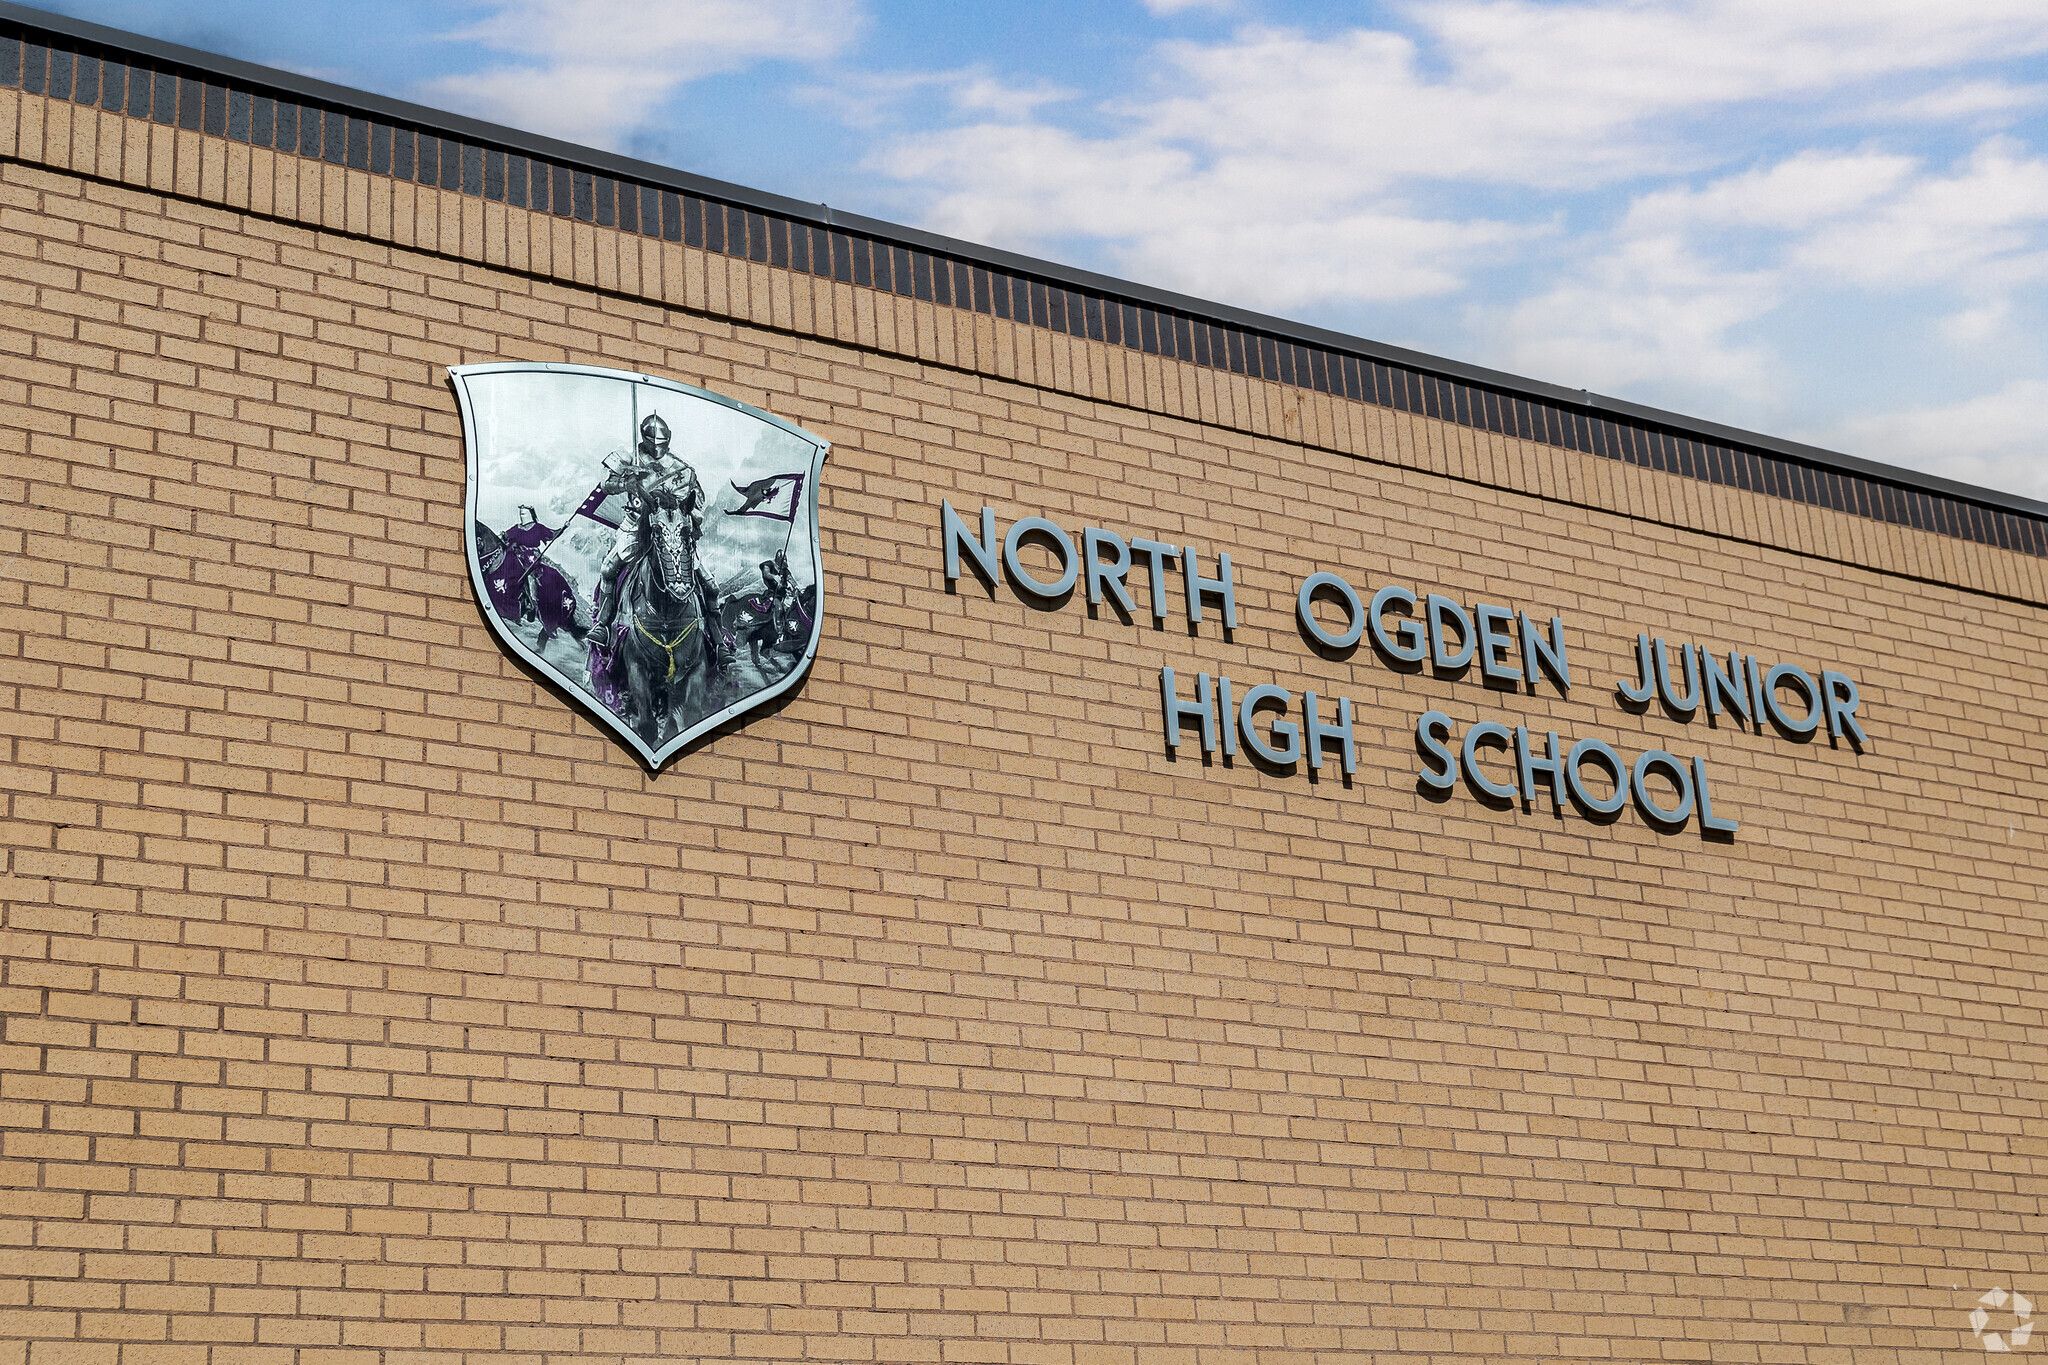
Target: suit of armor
x,y
525,541
780,591
659,486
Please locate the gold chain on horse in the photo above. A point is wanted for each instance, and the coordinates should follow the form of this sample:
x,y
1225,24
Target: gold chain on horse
x,y
667,646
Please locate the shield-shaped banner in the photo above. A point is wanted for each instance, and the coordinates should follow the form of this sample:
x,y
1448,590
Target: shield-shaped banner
x,y
650,547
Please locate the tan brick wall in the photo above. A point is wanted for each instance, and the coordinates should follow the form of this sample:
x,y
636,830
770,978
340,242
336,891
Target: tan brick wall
x,y
362,1003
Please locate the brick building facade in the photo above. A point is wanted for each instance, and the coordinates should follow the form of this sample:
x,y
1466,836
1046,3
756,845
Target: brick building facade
x,y
363,1002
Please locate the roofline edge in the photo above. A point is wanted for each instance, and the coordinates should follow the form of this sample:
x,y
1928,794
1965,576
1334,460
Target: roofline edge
x,y
823,215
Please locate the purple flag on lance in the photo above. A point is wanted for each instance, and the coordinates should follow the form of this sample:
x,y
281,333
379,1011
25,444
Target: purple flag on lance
x,y
595,507
754,497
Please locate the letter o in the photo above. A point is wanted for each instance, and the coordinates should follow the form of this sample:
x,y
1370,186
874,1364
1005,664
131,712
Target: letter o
x,y
1070,567
1354,610
1804,685
1616,769
1654,760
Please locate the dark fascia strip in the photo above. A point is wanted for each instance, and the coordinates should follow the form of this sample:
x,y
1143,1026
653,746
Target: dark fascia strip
x,y
161,82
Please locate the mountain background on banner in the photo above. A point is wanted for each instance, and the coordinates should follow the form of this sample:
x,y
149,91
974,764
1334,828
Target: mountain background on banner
x,y
543,439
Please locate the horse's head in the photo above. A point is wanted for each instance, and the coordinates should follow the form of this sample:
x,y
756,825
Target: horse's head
x,y
672,537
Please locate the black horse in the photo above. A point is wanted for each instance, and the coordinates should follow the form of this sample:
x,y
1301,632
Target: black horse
x,y
665,648
752,619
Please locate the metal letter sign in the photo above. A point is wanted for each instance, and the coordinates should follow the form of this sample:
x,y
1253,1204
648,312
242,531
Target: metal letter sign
x,y
650,547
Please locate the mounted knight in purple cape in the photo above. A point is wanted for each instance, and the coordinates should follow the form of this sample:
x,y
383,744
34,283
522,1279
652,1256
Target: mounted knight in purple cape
x,y
523,586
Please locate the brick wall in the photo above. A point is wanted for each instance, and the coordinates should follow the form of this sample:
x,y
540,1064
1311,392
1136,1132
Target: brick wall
x,y
362,1003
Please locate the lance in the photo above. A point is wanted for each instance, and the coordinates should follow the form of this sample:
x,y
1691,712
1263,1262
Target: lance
x,y
594,499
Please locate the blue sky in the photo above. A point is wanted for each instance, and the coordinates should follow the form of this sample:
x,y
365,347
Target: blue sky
x,y
1827,221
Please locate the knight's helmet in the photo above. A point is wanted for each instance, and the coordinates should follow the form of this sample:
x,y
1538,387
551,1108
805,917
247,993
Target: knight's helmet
x,y
654,434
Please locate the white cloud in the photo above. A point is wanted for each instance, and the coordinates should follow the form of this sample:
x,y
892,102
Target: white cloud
x,y
1363,109
1991,438
1798,192
1249,232
873,99
1651,317
1535,94
1638,58
1980,223
1283,168
978,92
596,71
1673,303
1978,325
1658,305
1701,181
1978,102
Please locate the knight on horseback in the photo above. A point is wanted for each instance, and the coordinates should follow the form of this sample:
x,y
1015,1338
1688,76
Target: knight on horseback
x,y
781,593
655,646
657,483
523,587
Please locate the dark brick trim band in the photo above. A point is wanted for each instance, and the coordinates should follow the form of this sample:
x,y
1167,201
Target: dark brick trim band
x,y
144,79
